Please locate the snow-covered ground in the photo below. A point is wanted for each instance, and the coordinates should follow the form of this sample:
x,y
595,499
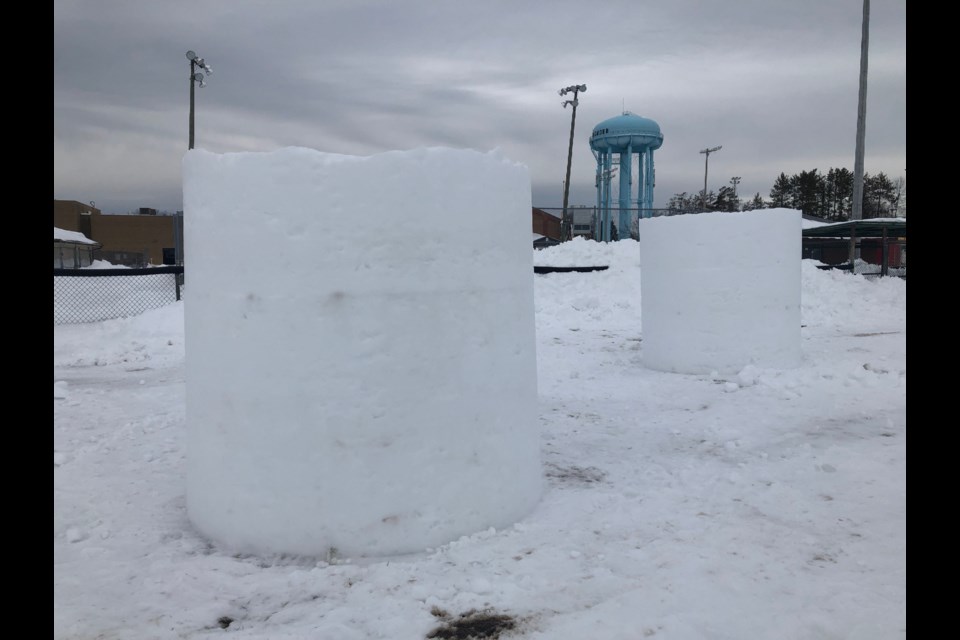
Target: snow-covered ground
x,y
766,504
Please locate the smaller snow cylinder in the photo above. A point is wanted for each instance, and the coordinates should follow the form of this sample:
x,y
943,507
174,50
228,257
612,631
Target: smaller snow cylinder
x,y
721,290
361,374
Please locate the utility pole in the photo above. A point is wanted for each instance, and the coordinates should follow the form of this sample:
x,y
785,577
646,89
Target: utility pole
x,y
195,77
705,163
566,225
857,213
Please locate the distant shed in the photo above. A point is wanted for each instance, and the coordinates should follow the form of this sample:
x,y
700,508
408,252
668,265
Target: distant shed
x,y
880,241
72,249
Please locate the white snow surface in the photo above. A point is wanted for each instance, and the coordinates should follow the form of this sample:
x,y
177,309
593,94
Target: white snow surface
x,y
105,264
721,291
371,394
767,504
71,236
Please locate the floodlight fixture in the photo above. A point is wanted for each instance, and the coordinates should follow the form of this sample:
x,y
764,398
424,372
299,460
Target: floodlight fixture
x,y
575,88
735,180
195,77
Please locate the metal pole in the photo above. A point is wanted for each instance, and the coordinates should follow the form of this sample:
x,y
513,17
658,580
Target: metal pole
x,y
193,82
566,224
853,248
884,253
705,163
735,180
178,238
857,213
568,228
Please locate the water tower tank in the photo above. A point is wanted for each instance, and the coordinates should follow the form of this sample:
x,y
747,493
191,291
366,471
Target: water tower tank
x,y
624,135
619,133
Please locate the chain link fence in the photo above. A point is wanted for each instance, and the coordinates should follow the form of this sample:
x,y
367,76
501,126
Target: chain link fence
x,y
92,295
588,221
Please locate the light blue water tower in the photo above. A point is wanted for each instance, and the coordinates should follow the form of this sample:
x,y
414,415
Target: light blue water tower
x,y
624,135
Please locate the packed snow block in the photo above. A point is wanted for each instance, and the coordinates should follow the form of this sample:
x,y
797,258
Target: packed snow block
x,y
360,349
720,291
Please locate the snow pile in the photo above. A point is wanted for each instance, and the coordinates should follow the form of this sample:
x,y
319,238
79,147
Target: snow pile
x,y
372,389
105,264
110,342
721,291
580,252
71,236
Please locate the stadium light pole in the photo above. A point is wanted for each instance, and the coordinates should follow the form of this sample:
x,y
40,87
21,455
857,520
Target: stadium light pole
x,y
856,212
735,180
195,77
566,227
705,163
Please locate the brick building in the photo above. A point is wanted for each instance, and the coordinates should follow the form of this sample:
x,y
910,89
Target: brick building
x,y
546,224
150,239
129,239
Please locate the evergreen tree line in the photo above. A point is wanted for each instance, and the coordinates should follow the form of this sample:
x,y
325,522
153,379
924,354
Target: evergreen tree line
x,y
828,196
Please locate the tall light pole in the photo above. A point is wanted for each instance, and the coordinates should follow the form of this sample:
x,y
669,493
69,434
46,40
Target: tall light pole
x,y
566,227
735,180
857,212
195,77
705,162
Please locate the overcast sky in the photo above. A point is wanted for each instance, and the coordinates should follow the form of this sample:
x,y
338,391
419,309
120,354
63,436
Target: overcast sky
x,y
775,82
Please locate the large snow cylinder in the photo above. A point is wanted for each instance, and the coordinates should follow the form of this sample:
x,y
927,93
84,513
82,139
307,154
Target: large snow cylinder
x,y
720,291
360,349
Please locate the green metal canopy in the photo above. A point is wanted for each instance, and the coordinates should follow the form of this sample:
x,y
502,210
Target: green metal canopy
x,y
873,228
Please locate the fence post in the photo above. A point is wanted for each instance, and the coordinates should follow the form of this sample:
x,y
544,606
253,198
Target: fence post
x,y
884,253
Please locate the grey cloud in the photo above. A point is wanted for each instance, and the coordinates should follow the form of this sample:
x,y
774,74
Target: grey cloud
x,y
774,81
